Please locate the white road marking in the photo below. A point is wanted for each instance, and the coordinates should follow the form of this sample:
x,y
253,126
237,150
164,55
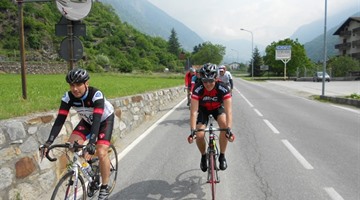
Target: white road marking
x,y
142,136
272,127
333,194
348,109
297,155
258,112
247,101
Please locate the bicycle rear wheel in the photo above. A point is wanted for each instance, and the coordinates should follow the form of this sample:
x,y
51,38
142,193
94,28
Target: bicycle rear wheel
x,y
213,178
65,188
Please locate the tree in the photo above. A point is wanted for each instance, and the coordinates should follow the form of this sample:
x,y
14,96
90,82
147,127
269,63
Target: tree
x,y
299,59
208,52
173,43
342,65
256,57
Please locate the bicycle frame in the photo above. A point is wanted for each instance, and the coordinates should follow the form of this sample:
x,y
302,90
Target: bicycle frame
x,y
76,165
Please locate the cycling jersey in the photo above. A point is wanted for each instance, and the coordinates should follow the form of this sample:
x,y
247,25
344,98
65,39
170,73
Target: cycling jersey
x,y
227,79
194,81
213,99
93,108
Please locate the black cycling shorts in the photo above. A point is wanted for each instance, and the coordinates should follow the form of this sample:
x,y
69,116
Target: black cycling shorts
x,y
106,127
203,114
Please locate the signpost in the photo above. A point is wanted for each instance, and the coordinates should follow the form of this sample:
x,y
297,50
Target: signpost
x,y
283,53
72,11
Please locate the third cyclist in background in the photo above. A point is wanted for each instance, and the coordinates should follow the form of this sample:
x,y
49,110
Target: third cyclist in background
x,y
225,77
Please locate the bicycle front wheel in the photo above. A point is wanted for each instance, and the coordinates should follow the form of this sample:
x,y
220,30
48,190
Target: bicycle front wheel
x,y
113,159
66,188
213,178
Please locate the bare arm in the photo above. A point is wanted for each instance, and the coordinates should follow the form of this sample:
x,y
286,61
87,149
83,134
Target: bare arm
x,y
228,112
193,113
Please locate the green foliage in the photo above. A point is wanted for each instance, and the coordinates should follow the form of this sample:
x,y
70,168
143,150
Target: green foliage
x,y
108,41
102,60
354,96
256,57
342,65
208,52
299,60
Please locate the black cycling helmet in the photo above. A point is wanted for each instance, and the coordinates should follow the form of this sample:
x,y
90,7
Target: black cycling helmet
x,y
209,71
77,75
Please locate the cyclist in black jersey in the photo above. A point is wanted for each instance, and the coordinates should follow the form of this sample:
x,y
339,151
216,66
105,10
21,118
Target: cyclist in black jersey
x,y
96,124
211,97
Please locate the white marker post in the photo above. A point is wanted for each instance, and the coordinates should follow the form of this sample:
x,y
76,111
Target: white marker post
x,y
283,53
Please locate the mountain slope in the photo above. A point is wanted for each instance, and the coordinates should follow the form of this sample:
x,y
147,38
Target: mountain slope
x,y
310,31
149,19
315,47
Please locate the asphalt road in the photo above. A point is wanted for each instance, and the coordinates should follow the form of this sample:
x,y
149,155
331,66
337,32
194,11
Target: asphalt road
x,y
287,147
333,88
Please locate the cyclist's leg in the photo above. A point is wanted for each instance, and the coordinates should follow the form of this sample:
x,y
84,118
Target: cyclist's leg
x,y
104,162
200,137
102,147
220,117
79,132
201,122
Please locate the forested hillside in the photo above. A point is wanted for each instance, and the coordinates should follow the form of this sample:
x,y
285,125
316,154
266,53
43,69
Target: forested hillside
x,y
151,20
108,41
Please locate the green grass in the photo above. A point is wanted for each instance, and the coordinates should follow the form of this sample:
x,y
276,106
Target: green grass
x,y
44,92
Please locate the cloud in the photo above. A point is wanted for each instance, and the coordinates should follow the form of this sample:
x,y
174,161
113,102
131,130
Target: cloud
x,y
269,20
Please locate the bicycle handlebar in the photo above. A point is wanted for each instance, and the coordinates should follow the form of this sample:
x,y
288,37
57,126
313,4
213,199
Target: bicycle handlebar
x,y
212,129
67,145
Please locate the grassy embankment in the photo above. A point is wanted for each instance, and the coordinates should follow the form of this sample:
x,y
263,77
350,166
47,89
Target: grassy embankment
x,y
45,91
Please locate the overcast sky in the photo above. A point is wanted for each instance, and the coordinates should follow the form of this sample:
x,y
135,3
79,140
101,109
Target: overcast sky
x,y
269,20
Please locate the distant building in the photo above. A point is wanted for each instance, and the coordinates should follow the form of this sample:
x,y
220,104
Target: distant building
x,y
349,37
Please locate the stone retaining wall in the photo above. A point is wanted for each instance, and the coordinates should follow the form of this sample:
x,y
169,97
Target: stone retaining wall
x,y
23,176
34,68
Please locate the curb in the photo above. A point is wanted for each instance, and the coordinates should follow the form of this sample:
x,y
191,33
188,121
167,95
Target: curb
x,y
340,100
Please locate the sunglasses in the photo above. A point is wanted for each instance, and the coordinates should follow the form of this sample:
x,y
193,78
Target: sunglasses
x,y
208,80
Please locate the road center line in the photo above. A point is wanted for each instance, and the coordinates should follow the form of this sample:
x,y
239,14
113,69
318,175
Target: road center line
x,y
247,101
333,194
272,127
258,112
297,155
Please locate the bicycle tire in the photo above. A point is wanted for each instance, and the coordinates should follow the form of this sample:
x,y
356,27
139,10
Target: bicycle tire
x,y
213,178
64,189
113,157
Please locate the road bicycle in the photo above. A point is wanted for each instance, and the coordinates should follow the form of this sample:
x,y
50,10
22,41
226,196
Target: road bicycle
x,y
212,154
71,186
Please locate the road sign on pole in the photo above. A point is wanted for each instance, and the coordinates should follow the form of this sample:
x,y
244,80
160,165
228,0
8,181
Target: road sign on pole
x,y
283,53
77,49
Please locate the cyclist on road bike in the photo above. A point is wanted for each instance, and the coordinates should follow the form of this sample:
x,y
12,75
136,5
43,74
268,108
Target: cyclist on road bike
x,y
188,77
96,124
225,76
210,97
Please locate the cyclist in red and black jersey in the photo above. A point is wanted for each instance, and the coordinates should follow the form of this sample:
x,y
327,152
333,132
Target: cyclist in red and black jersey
x,y
211,97
96,124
